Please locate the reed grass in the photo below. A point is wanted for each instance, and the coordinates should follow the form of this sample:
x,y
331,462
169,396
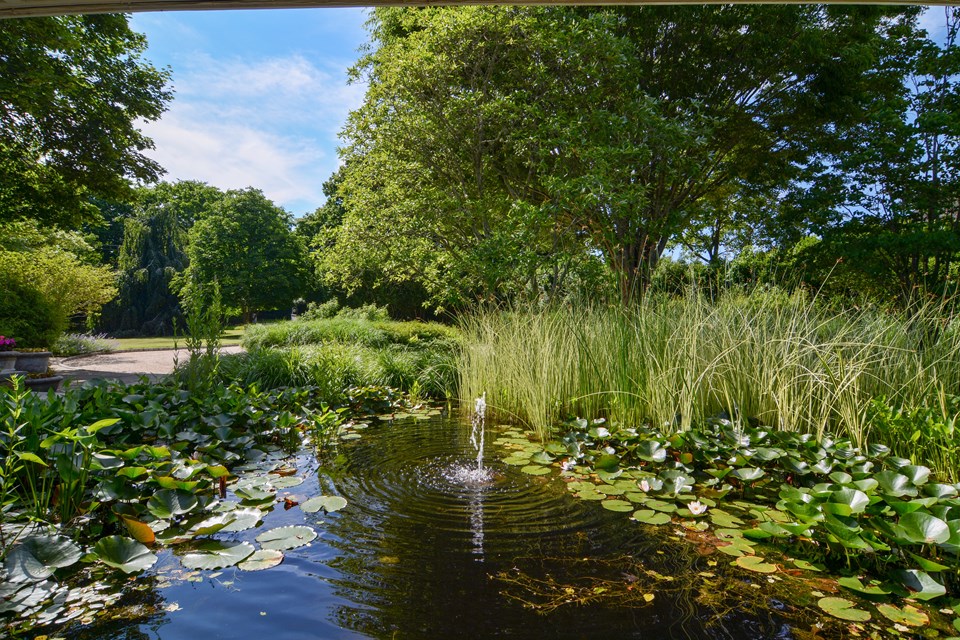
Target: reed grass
x,y
766,356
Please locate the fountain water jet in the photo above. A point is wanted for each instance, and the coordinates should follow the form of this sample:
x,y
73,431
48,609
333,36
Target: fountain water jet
x,y
480,475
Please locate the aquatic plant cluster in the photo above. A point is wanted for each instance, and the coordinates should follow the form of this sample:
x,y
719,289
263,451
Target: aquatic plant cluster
x,y
883,523
106,474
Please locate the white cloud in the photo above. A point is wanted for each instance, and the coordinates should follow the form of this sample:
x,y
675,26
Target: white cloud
x,y
270,123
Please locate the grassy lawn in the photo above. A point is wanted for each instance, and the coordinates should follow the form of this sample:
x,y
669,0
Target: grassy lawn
x,y
231,336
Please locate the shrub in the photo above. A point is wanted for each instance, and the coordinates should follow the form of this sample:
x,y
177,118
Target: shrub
x,y
76,344
29,316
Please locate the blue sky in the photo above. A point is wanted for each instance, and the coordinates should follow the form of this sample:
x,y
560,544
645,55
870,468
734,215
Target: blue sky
x,y
259,97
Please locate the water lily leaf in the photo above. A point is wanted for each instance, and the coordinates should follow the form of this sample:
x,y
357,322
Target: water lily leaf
x,y
843,609
168,503
262,559
590,494
927,564
894,484
133,472
254,494
920,584
917,474
535,470
923,528
867,485
609,476
796,466
516,462
660,505
651,451
209,526
286,482
617,505
169,482
854,584
217,471
542,457
649,516
327,503
610,490
755,563
877,450
241,519
909,615
217,554
141,531
940,490
289,537
841,478
37,557
806,566
607,462
855,499
124,553
749,474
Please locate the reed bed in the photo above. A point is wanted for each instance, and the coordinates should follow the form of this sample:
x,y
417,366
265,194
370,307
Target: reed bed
x,y
768,357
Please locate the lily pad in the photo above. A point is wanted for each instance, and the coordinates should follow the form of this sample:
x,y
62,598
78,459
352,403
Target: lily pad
x,y
286,482
843,609
649,516
923,528
217,554
262,559
755,563
920,584
854,584
535,470
286,537
327,503
37,557
168,503
124,553
241,519
909,615
617,505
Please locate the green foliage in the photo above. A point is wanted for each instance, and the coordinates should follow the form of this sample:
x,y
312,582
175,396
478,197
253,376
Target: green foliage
x,y
472,168
204,324
28,315
349,331
673,363
76,344
153,254
246,243
72,90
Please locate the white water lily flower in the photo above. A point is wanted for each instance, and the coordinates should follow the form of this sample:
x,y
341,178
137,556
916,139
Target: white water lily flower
x,y
696,507
568,465
644,486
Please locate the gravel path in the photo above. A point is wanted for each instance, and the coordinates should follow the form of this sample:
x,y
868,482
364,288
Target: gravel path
x,y
126,366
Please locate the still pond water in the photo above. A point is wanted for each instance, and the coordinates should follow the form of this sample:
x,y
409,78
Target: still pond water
x,y
421,553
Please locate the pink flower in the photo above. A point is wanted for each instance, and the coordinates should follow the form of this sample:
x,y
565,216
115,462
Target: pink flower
x,y
644,486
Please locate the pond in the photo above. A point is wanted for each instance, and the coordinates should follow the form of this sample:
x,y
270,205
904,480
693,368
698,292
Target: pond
x,y
424,550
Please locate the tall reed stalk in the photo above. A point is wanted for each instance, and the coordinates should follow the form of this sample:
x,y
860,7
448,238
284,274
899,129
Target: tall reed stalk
x,y
770,357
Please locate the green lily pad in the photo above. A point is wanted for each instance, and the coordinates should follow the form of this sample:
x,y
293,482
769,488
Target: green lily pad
x,y
515,461
168,503
843,609
590,494
660,505
535,470
617,505
241,519
920,584
610,490
923,528
649,516
327,503
542,457
217,554
854,584
909,615
254,494
37,557
806,566
262,559
755,563
285,482
749,474
917,474
723,519
124,553
290,537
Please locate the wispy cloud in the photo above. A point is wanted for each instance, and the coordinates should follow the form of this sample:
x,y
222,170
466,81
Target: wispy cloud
x,y
270,122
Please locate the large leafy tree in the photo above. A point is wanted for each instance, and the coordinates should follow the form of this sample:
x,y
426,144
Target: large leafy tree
x,y
538,131
892,187
72,90
246,243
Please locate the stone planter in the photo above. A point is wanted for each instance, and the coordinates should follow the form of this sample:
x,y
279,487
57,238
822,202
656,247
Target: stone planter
x,y
43,384
34,361
8,360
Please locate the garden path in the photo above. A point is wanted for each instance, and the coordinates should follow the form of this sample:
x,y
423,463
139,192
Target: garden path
x,y
126,366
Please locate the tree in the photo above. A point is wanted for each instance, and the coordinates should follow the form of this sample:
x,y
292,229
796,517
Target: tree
x,y
247,245
612,127
893,184
153,253
72,90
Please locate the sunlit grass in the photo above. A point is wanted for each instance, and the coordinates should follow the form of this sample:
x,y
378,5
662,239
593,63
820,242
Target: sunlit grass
x,y
775,359
231,336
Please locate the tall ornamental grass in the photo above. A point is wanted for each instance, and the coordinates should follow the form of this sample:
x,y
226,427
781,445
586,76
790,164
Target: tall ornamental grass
x,y
765,356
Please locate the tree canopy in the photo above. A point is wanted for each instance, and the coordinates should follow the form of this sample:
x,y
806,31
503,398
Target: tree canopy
x,y
72,90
